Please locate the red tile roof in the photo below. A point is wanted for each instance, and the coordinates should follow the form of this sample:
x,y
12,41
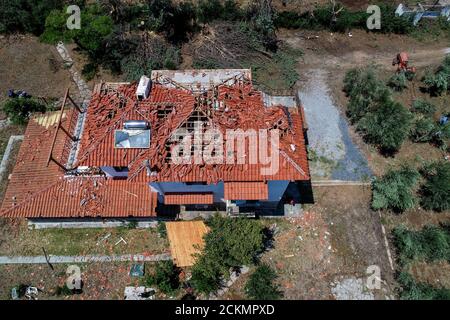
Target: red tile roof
x,y
188,198
38,190
242,108
246,191
31,173
74,197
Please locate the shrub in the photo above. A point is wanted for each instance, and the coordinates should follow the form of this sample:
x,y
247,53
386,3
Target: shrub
x,y
423,107
209,10
162,231
261,16
242,240
288,20
19,109
411,290
387,126
96,27
322,18
391,23
436,84
166,277
442,135
260,285
395,190
436,189
176,21
423,129
398,81
232,11
429,244
89,71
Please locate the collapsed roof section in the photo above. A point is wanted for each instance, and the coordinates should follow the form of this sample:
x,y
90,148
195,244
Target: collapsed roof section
x,y
218,99
223,100
31,173
78,197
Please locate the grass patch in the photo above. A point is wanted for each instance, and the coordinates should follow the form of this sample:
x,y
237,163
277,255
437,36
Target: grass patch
x,y
84,241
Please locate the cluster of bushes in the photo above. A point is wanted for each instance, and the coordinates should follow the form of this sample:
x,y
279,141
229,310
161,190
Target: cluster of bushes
x,y
105,31
210,10
436,188
19,109
324,18
411,290
438,82
432,243
399,81
229,244
382,121
398,189
395,190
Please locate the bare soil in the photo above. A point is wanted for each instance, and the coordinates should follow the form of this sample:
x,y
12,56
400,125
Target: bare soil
x,y
30,65
102,281
339,236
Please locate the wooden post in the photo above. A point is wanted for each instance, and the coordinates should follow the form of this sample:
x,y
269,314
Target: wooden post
x,y
58,126
47,259
76,105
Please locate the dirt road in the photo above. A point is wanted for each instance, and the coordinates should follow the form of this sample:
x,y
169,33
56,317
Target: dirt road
x,y
333,51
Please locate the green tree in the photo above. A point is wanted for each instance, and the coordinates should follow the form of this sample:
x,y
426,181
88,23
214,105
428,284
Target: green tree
x,y
229,243
56,28
436,189
395,190
19,109
26,15
261,286
387,126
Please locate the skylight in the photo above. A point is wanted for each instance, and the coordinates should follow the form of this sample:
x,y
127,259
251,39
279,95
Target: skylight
x,y
129,139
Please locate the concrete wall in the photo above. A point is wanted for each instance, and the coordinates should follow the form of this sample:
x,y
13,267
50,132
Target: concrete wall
x,y
91,223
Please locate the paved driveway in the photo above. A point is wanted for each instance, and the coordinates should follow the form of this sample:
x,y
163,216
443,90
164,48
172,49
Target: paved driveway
x,y
334,154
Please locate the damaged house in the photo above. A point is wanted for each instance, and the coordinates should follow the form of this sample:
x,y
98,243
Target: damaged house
x,y
138,151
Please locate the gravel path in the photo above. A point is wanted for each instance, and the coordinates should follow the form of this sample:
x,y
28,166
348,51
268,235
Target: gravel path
x,y
351,289
82,259
337,157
